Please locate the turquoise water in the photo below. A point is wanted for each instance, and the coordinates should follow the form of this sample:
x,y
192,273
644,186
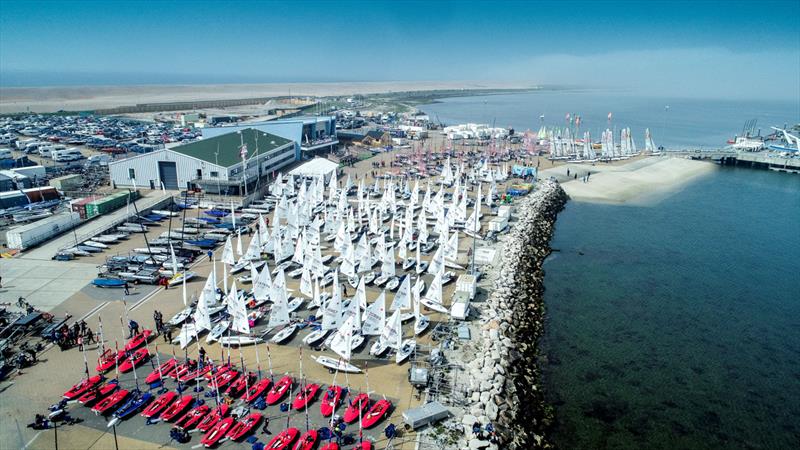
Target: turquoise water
x,y
678,325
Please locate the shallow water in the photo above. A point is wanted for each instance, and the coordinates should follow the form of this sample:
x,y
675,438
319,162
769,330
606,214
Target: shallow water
x,y
677,325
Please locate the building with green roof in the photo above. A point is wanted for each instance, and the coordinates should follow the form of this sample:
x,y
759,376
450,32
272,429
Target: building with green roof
x,y
216,164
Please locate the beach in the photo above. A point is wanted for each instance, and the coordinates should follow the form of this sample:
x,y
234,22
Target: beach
x,y
641,181
81,98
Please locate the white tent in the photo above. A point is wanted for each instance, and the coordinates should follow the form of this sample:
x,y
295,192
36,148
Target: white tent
x,y
317,168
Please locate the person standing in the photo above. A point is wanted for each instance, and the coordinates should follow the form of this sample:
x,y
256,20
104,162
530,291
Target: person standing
x,y
126,287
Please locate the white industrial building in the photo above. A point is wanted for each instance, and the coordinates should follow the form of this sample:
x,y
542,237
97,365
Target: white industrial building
x,y
214,165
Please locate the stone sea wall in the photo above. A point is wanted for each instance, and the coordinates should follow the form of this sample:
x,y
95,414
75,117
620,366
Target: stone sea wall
x,y
504,386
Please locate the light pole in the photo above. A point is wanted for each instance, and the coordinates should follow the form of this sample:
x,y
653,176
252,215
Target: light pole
x,y
666,110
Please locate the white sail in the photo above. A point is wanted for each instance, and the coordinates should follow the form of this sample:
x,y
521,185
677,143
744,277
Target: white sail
x,y
262,284
305,282
392,331
361,294
279,315
402,300
342,340
227,252
375,316
239,250
238,311
331,312
348,260
388,266
433,298
437,262
253,249
202,319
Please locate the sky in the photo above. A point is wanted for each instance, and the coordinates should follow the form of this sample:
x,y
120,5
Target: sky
x,y
715,49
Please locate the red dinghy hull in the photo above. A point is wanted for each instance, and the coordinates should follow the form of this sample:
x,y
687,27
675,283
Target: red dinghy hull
x,y
159,404
223,380
333,395
307,441
219,371
138,340
216,415
183,369
165,369
306,396
108,404
244,426
283,440
217,432
376,413
359,403
94,395
366,445
192,418
280,390
238,387
195,375
84,385
257,390
177,407
331,446
107,360
139,356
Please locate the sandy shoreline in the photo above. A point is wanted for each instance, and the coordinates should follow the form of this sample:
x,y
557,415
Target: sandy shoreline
x,y
641,182
74,98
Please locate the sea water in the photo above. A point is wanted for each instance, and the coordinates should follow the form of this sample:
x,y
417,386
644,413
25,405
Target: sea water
x,y
675,123
673,324
677,324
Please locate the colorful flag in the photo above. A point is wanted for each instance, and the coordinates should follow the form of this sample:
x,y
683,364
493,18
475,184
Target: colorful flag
x,y
243,151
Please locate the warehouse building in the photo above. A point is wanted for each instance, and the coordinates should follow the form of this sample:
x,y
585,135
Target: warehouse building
x,y
214,165
312,135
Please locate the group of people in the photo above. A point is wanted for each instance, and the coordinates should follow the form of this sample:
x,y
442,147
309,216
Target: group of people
x,y
78,334
488,432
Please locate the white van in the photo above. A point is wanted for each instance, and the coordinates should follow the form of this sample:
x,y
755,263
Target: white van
x,y
72,154
48,150
98,160
33,147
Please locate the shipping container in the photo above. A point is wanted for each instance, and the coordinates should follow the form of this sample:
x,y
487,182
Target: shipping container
x,y
459,308
79,206
33,172
109,203
27,236
498,224
67,182
41,194
467,283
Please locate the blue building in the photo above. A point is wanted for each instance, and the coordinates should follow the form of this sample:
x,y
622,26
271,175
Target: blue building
x,y
312,135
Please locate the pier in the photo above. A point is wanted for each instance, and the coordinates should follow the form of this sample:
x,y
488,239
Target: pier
x,y
762,160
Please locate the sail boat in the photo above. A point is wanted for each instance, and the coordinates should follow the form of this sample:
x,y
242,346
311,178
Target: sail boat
x,y
433,298
390,337
421,321
279,315
402,300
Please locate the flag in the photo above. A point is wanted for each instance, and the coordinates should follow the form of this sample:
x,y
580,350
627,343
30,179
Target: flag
x,y
243,151
609,117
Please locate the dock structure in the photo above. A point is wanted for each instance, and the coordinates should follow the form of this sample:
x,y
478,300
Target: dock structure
x,y
763,160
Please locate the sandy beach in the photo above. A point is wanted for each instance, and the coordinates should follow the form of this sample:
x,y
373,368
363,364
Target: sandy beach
x,y
641,181
76,98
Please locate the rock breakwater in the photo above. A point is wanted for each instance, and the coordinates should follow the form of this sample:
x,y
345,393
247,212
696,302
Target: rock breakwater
x,y
504,381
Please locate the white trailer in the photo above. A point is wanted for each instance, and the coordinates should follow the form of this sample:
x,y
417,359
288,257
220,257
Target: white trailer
x,y
26,236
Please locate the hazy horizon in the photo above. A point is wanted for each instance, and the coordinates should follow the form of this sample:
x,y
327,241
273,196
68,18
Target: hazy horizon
x,y
669,49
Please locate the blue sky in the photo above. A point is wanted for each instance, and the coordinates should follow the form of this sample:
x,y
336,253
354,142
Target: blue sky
x,y
674,48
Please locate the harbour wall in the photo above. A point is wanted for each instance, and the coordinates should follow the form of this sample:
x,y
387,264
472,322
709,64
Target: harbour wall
x,y
504,380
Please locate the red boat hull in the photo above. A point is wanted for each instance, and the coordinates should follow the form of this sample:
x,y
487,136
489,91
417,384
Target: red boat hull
x,y
283,440
307,441
257,390
96,394
194,375
139,356
81,388
216,415
376,413
223,380
359,403
106,405
192,418
177,407
159,404
330,402
305,397
138,340
238,387
244,426
217,432
280,390
165,369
